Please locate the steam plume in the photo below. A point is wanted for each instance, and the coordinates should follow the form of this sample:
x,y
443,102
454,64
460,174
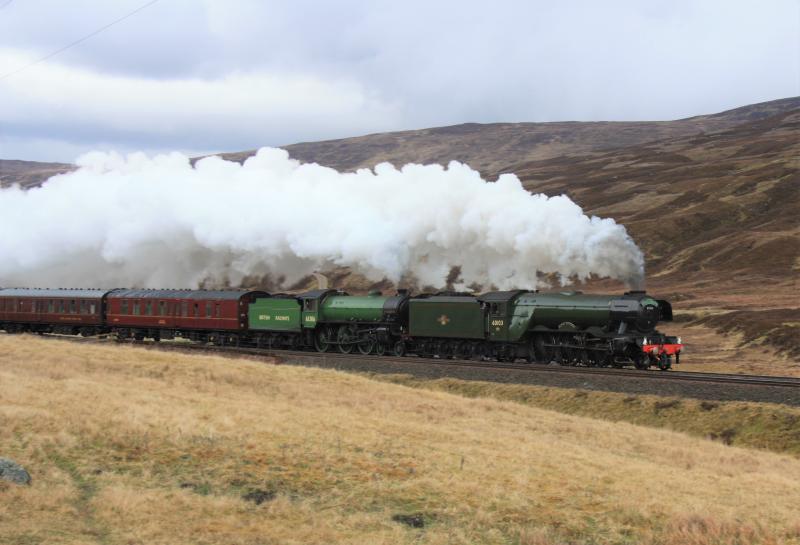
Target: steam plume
x,y
159,222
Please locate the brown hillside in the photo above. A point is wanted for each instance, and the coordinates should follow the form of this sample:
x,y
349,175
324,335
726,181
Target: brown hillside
x,y
724,203
491,148
497,147
29,173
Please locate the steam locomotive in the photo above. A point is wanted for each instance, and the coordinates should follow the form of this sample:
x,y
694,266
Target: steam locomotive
x,y
568,328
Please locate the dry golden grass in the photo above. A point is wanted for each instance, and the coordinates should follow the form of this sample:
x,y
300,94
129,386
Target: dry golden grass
x,y
767,426
709,351
128,445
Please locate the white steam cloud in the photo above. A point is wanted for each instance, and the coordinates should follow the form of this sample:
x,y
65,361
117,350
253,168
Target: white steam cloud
x,y
159,222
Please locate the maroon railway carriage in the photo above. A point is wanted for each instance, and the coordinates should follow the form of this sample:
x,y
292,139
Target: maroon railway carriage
x,y
64,311
199,315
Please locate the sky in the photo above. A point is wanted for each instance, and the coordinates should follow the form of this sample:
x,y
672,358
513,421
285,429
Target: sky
x,y
205,76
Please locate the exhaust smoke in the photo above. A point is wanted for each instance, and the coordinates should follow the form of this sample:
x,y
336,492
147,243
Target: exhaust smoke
x,y
159,222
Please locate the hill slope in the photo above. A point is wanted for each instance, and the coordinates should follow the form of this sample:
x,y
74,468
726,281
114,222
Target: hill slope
x,y
491,148
498,147
29,173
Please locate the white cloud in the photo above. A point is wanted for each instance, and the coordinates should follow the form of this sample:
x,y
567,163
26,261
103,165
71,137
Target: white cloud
x,y
233,74
240,108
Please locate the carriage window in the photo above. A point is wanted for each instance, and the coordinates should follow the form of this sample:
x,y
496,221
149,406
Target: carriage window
x,y
123,306
83,306
162,308
209,309
148,308
196,310
184,309
136,311
219,313
61,307
50,306
72,308
92,308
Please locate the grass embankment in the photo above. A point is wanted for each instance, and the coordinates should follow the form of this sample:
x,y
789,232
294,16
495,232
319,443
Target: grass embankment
x,y
755,425
128,445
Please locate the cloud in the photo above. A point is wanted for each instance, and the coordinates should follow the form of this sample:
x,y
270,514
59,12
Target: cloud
x,y
238,109
282,71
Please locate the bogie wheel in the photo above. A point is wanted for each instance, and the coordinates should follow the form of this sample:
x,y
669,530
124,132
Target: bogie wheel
x,y
380,349
399,349
345,339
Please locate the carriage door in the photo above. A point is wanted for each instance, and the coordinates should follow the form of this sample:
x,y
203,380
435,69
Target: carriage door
x,y
497,321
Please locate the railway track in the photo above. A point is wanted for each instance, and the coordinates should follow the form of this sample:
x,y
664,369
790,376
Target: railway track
x,y
332,358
